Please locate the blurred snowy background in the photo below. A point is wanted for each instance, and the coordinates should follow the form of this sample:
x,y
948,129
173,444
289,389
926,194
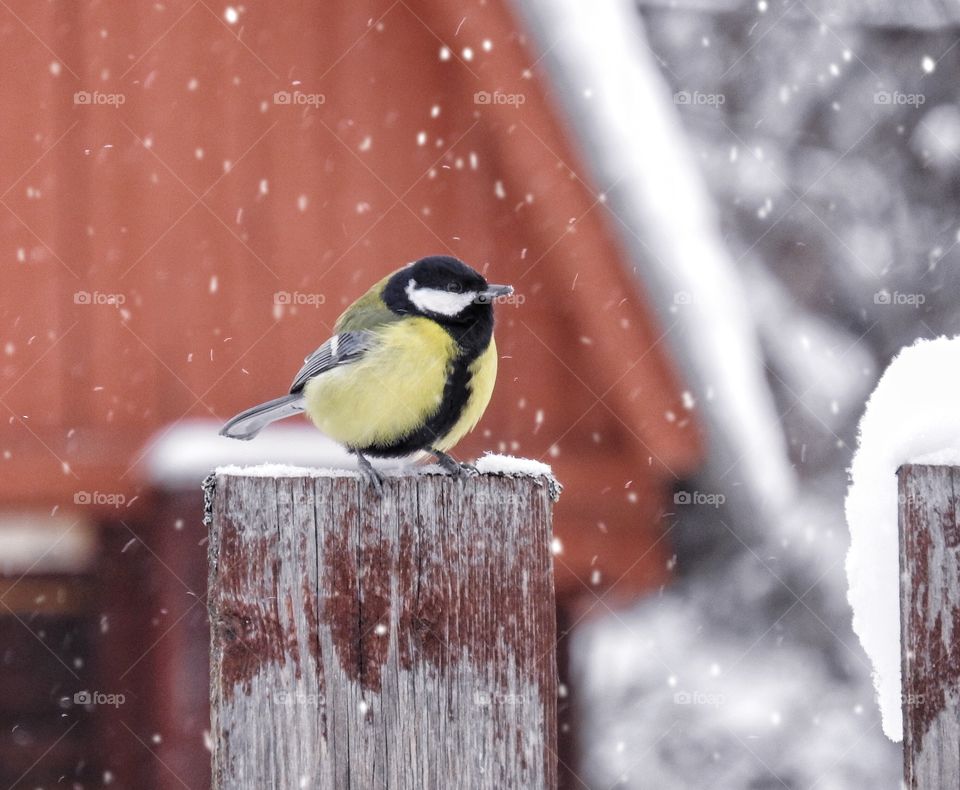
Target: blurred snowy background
x,y
827,141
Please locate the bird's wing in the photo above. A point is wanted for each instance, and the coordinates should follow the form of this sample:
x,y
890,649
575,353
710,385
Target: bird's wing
x,y
368,312
356,334
341,349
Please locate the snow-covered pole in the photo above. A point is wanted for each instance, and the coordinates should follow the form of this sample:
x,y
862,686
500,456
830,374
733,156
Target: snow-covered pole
x,y
402,641
930,624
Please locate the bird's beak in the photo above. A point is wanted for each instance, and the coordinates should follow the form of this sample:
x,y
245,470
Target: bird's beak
x,y
493,291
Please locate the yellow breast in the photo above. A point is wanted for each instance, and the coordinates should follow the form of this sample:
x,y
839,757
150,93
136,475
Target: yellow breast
x,y
388,393
396,387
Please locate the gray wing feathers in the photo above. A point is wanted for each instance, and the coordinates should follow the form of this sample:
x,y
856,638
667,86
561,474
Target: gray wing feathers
x,y
249,423
338,350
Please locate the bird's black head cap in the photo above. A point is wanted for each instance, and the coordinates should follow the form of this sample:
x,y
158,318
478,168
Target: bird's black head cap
x,y
439,287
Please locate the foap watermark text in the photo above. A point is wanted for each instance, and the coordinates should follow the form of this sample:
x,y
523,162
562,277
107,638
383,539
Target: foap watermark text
x,y
698,498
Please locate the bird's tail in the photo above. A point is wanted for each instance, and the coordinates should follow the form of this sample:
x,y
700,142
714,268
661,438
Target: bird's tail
x,y
249,423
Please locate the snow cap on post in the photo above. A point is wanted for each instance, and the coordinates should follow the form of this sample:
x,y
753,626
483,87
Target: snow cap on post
x,y
911,417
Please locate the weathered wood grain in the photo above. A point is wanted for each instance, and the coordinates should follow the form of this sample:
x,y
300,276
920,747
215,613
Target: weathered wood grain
x,y
402,642
930,625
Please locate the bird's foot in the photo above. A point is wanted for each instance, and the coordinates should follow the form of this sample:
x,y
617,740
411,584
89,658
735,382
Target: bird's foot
x,y
370,474
452,466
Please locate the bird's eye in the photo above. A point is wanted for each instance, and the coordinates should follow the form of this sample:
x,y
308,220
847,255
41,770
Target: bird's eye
x,y
454,287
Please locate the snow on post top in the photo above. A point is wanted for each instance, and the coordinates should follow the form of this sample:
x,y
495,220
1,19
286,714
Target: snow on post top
x,y
510,465
911,417
489,464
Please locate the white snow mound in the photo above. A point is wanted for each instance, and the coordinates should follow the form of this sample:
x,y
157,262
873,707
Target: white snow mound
x,y
282,470
494,464
911,417
489,464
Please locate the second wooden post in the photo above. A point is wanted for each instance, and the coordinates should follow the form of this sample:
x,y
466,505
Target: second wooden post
x,y
930,625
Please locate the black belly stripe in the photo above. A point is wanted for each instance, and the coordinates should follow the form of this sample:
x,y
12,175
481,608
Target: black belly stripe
x,y
472,341
456,393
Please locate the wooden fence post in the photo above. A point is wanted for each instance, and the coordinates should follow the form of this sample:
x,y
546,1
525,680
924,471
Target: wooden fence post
x,y
930,625
405,642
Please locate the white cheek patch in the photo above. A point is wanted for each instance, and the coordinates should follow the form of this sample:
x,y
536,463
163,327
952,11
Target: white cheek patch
x,y
433,300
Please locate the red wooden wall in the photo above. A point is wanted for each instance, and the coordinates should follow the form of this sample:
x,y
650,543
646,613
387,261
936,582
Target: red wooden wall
x,y
146,162
197,198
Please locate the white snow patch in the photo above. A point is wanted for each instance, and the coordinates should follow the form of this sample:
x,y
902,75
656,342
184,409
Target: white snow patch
x,y
494,464
33,543
184,454
389,468
949,456
282,470
911,417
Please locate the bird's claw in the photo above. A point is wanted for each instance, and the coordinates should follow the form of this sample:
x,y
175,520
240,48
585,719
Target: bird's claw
x,y
374,478
453,467
370,474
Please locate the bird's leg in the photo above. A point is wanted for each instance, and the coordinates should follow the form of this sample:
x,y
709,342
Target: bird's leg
x,y
450,464
370,474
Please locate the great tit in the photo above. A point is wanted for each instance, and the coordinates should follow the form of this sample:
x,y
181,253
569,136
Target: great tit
x,y
411,368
